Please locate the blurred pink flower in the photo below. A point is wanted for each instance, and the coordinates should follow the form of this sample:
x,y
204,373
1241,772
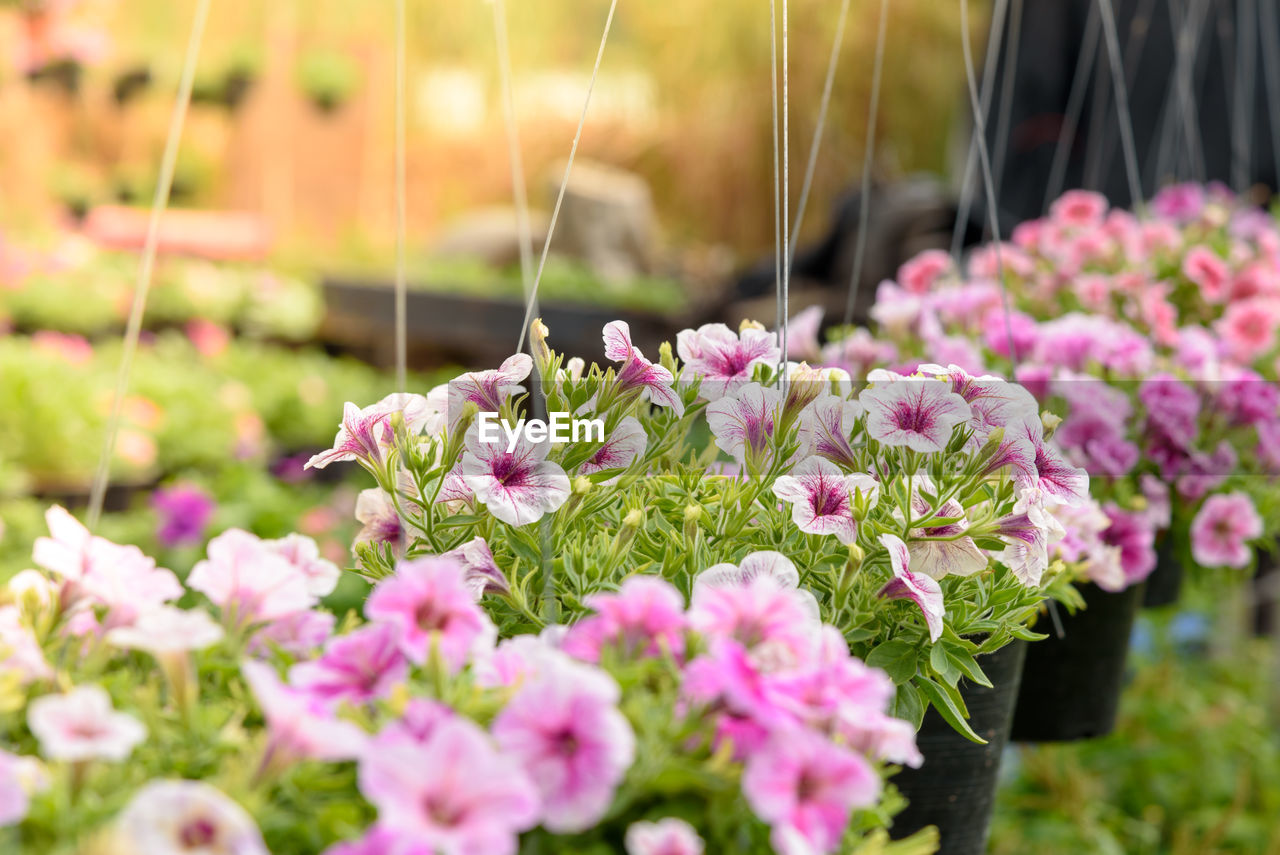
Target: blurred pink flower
x,y
806,787
82,725
1221,531
361,666
474,801
250,580
19,777
170,817
20,650
1079,208
1248,328
209,339
565,729
670,836
920,273
762,615
302,552
377,514
301,726
297,634
644,618
74,349
429,604
1205,268
480,573
166,630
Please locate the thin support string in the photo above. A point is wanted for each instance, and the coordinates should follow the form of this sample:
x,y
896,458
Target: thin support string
x,y
1122,106
868,157
1075,108
777,166
967,189
786,187
1271,70
1134,48
1004,116
519,190
1181,110
812,164
984,158
1246,80
401,285
564,182
159,204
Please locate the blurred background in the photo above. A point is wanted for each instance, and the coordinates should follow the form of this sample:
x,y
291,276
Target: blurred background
x,y
272,300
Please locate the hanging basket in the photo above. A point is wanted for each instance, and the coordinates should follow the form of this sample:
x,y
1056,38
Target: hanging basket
x,y
955,789
1071,685
1164,585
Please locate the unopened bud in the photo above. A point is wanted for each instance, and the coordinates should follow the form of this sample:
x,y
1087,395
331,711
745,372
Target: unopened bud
x,y
748,324
1050,422
634,519
692,513
581,485
538,333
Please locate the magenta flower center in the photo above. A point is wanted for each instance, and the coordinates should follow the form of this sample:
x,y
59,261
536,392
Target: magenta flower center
x,y
508,469
429,618
827,502
198,833
912,418
441,811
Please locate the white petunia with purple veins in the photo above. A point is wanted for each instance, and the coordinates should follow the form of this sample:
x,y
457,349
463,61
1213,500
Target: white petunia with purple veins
x,y
916,413
721,357
637,372
627,442
517,487
822,497
920,589
743,423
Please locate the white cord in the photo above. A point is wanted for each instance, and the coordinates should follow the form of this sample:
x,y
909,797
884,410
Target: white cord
x,y
401,286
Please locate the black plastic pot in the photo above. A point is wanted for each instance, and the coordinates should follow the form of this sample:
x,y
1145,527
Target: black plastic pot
x,y
1071,685
955,789
1164,585
1264,602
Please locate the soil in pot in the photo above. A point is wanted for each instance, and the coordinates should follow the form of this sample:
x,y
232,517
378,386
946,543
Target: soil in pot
x,y
955,789
1164,585
1071,684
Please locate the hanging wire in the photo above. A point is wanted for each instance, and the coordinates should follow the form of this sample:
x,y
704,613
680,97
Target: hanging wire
x,y
1006,91
868,156
1271,69
1246,80
967,188
1182,124
159,203
1075,107
564,182
812,164
401,286
1122,106
777,166
786,189
519,191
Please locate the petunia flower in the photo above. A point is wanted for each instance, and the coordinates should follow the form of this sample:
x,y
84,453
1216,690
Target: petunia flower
x,y
249,580
942,550
669,836
475,801
184,511
1132,534
380,840
488,389
1054,476
920,589
1222,529
762,616
822,497
167,629
993,401
480,572
766,563
20,777
178,817
805,787
743,423
636,372
20,650
301,726
82,725
825,428
428,602
357,668
377,515
644,618
565,728
627,442
362,436
298,634
303,553
918,414
517,487
723,358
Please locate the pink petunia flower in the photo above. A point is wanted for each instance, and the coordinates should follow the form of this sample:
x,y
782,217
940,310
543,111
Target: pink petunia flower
x,y
943,550
363,436
82,725
565,729
20,650
1054,476
654,381
920,273
379,840
806,787
302,552
762,615
298,634
802,335
249,580
428,602
920,589
619,451
1079,208
300,724
743,423
19,777
723,358
1248,328
518,487
918,414
1131,533
1222,529
670,836
822,497
170,817
643,619
356,668
1205,268
480,573
167,630
773,565
475,801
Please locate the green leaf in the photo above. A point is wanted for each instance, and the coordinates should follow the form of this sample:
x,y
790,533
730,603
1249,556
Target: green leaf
x,y
457,520
908,705
896,658
945,705
1026,634
963,659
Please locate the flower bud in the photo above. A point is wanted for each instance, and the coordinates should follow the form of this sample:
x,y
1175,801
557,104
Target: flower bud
x,y
581,485
692,513
542,355
634,519
1050,422
748,324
